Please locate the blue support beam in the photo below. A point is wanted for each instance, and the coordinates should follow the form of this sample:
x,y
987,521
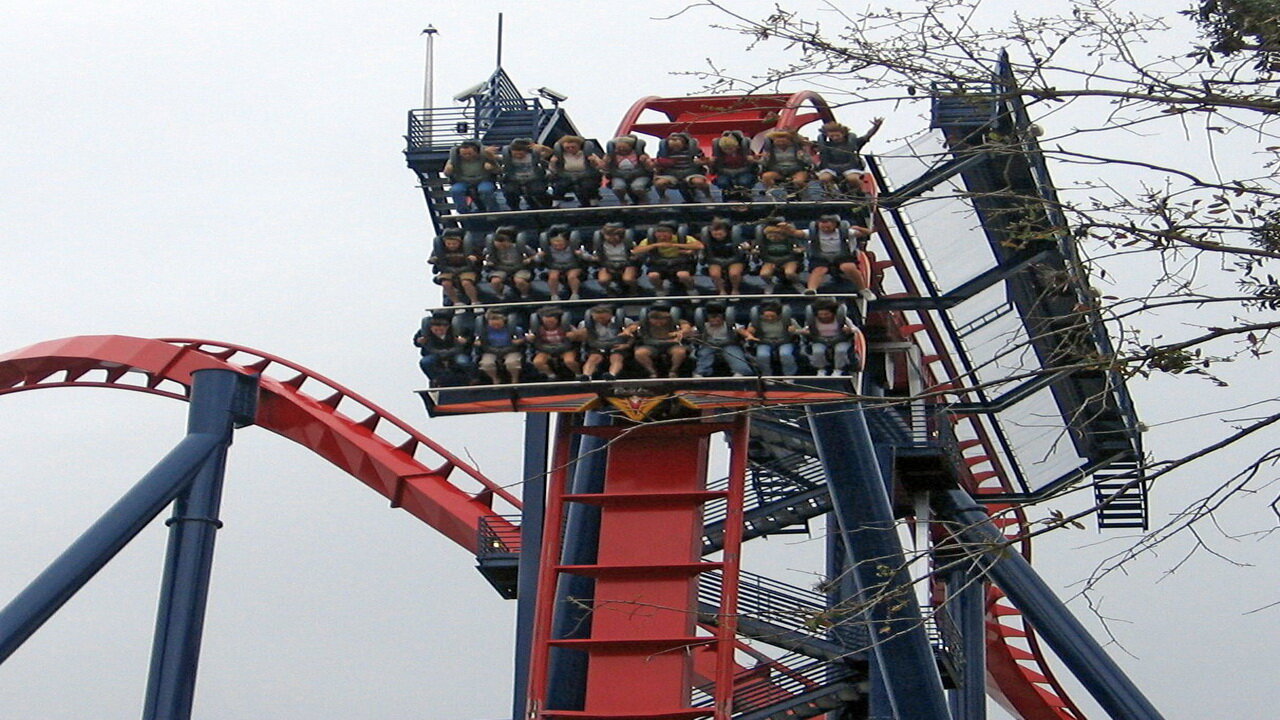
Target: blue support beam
x,y
966,605
1072,643
537,429
861,506
568,668
106,537
220,400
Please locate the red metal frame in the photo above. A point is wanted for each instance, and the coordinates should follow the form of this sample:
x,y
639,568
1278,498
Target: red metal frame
x,y
734,526
705,117
643,646
530,398
164,367
553,523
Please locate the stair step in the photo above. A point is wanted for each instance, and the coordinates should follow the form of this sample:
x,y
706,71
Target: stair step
x,y
678,714
645,499
633,645
642,572
1110,525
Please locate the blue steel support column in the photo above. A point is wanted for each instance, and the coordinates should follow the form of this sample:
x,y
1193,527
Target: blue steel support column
x,y
861,506
843,593
1072,643
537,428
220,400
879,702
966,604
567,668
97,545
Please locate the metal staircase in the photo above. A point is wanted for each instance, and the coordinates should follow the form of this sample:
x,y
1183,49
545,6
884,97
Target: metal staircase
x,y
997,160
787,490
788,617
510,124
1120,492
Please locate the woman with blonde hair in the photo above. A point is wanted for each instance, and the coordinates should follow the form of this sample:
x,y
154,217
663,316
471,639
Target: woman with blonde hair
x,y
734,166
785,164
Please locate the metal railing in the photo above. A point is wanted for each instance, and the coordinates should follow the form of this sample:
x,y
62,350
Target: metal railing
x,y
443,128
789,608
945,638
788,679
776,479
498,538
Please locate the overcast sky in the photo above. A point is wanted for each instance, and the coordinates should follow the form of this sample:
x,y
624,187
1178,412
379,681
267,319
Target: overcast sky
x,y
234,171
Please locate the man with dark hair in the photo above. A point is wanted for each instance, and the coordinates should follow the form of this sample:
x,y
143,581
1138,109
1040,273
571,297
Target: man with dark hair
x,y
471,170
524,174
716,337
446,356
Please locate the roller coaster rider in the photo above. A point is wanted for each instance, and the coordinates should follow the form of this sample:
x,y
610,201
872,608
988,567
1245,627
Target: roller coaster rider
x,y
472,170
524,174
680,165
835,248
455,266
553,344
659,336
779,249
725,256
831,337
840,163
562,261
575,168
602,335
445,355
508,260
629,170
774,333
500,345
670,257
716,337
618,268
734,166
785,165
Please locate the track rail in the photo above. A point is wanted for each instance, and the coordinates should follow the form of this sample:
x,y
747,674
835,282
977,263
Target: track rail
x,y
387,454
706,117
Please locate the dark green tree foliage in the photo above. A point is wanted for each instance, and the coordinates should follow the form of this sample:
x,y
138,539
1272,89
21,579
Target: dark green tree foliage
x,y
1241,26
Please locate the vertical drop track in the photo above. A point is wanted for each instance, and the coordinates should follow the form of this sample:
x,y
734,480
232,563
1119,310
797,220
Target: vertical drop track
x,y
644,649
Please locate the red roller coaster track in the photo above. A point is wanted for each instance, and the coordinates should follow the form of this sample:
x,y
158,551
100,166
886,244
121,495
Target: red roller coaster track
x,y
385,453
706,117
411,470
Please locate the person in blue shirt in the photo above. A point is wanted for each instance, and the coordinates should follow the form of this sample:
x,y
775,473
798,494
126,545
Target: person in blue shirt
x,y
500,344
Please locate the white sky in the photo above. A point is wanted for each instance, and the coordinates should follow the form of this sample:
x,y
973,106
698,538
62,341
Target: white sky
x,y
233,171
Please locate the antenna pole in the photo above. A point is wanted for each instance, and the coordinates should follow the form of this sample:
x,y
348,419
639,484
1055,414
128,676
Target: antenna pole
x,y
499,39
428,89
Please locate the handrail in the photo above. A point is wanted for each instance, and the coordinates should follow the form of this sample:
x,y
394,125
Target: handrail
x,y
788,607
439,129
